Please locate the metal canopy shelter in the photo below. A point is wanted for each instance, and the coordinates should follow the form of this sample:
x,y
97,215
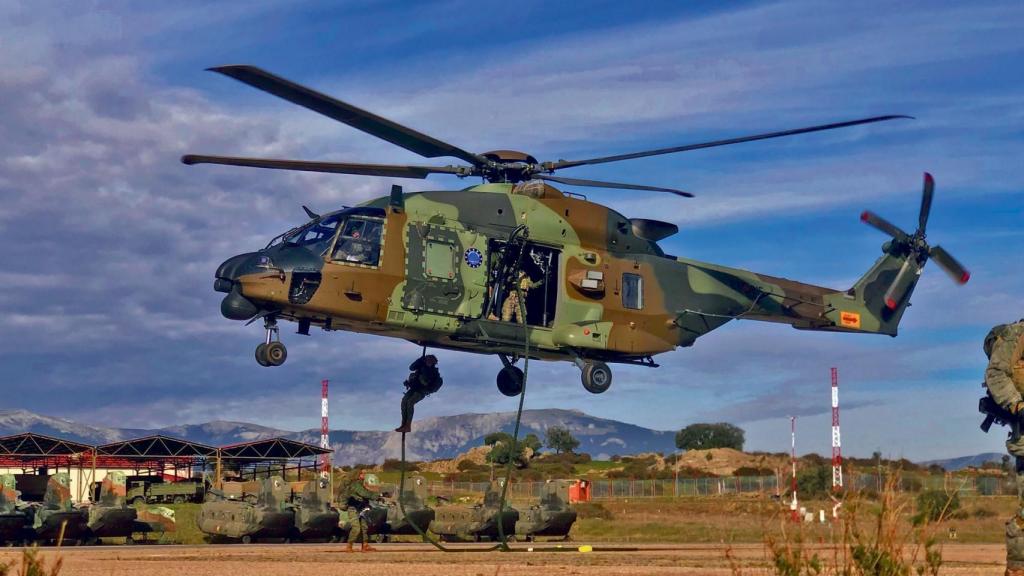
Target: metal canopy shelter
x,y
261,456
31,450
154,453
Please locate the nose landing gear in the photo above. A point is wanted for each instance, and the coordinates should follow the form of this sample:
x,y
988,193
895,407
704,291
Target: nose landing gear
x,y
272,352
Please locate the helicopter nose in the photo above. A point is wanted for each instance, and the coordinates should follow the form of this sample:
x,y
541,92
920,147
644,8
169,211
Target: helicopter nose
x,y
235,306
232,268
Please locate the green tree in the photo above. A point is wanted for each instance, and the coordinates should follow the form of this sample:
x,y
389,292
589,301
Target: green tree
x,y
560,440
705,436
501,448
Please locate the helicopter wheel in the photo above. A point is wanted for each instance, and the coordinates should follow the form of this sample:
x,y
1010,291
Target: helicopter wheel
x,y
276,353
596,376
261,355
510,381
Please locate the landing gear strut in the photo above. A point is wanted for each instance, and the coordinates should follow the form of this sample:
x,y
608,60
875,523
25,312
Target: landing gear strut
x,y
596,375
271,352
510,378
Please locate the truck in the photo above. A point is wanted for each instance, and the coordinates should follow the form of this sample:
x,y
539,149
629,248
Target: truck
x,y
149,492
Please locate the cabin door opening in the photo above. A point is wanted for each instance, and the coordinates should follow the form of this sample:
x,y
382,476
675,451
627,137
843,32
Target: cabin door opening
x,y
536,276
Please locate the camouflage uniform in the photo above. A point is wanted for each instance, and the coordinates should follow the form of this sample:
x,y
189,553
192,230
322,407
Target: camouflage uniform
x,y
1004,379
424,380
510,309
355,496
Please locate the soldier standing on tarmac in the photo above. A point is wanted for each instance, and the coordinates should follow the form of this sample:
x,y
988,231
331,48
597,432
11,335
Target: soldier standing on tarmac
x,y
355,495
1004,379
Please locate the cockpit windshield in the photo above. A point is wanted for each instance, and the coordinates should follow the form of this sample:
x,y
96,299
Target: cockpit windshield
x,y
315,235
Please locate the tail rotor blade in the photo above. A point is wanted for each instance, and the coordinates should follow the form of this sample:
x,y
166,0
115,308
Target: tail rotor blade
x,y
876,221
926,202
956,271
898,289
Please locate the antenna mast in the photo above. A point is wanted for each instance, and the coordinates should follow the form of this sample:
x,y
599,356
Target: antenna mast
x,y
325,438
837,455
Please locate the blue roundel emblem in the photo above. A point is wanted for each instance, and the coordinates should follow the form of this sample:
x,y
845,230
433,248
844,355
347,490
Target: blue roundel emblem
x,y
474,258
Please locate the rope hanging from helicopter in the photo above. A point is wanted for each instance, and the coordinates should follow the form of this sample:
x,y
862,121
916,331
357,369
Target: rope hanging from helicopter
x,y
517,238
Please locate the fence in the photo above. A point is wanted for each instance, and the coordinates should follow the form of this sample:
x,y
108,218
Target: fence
x,y
762,485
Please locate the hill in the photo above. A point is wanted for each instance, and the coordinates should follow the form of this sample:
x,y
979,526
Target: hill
x,y
432,438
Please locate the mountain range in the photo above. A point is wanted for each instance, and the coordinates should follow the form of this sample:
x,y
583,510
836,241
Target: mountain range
x,y
432,438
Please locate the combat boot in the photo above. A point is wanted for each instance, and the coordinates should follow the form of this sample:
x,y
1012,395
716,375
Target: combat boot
x,y
349,548
367,548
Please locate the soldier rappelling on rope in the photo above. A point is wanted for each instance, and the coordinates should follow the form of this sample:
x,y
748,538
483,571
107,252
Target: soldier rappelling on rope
x,y
424,379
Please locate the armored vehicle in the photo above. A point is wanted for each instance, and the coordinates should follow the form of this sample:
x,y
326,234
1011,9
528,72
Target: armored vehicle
x,y
251,517
417,513
13,517
551,517
110,516
314,517
57,511
478,521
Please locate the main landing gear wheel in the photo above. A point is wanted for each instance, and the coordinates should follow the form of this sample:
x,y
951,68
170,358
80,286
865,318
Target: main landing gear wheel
x,y
510,381
272,352
596,376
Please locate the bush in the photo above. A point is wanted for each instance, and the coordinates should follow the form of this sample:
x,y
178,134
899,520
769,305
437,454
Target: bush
x,y
935,506
753,471
814,481
470,466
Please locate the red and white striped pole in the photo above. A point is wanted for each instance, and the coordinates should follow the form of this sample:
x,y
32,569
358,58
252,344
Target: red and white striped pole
x,y
325,432
837,455
793,504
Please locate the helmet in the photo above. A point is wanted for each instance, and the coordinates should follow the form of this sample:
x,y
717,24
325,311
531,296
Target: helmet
x,y
371,481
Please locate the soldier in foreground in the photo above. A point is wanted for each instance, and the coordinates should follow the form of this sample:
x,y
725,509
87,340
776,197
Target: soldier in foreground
x,y
355,495
424,380
1004,379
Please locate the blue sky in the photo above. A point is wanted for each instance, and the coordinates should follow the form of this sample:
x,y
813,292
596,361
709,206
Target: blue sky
x,y
110,243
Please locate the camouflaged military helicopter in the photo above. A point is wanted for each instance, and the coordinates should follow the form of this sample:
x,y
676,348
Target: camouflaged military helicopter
x,y
440,268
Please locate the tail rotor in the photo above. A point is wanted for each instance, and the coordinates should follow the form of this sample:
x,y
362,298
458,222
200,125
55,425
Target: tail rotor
x,y
915,249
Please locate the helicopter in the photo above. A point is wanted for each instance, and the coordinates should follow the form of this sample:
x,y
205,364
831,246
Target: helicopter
x,y
515,260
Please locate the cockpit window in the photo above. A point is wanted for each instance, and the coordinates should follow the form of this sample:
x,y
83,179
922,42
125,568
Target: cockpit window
x,y
316,235
359,241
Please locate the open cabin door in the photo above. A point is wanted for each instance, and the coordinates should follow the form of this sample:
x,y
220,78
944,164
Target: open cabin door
x,y
446,271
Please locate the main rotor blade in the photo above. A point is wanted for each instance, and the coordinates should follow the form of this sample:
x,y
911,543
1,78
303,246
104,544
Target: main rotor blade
x,y
357,118
600,184
570,163
945,260
394,171
876,221
926,201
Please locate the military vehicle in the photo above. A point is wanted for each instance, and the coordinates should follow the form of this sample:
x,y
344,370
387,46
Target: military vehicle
x,y
57,517
314,517
111,516
417,514
476,522
253,516
155,520
149,492
551,517
14,520
437,267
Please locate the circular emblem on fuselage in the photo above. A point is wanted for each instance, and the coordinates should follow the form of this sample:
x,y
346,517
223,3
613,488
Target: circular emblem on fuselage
x,y
474,258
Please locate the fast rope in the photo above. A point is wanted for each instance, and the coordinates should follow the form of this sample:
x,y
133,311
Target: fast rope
x,y
502,537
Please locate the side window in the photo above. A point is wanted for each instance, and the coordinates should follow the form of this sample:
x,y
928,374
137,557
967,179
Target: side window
x,y
359,241
633,291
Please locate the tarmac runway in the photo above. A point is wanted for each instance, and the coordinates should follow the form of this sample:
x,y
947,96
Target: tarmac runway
x,y
423,560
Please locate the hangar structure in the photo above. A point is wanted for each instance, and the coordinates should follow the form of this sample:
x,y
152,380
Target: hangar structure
x,y
33,457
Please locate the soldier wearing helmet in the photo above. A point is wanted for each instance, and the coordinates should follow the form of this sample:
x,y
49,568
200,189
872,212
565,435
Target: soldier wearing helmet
x,y
1004,379
357,491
